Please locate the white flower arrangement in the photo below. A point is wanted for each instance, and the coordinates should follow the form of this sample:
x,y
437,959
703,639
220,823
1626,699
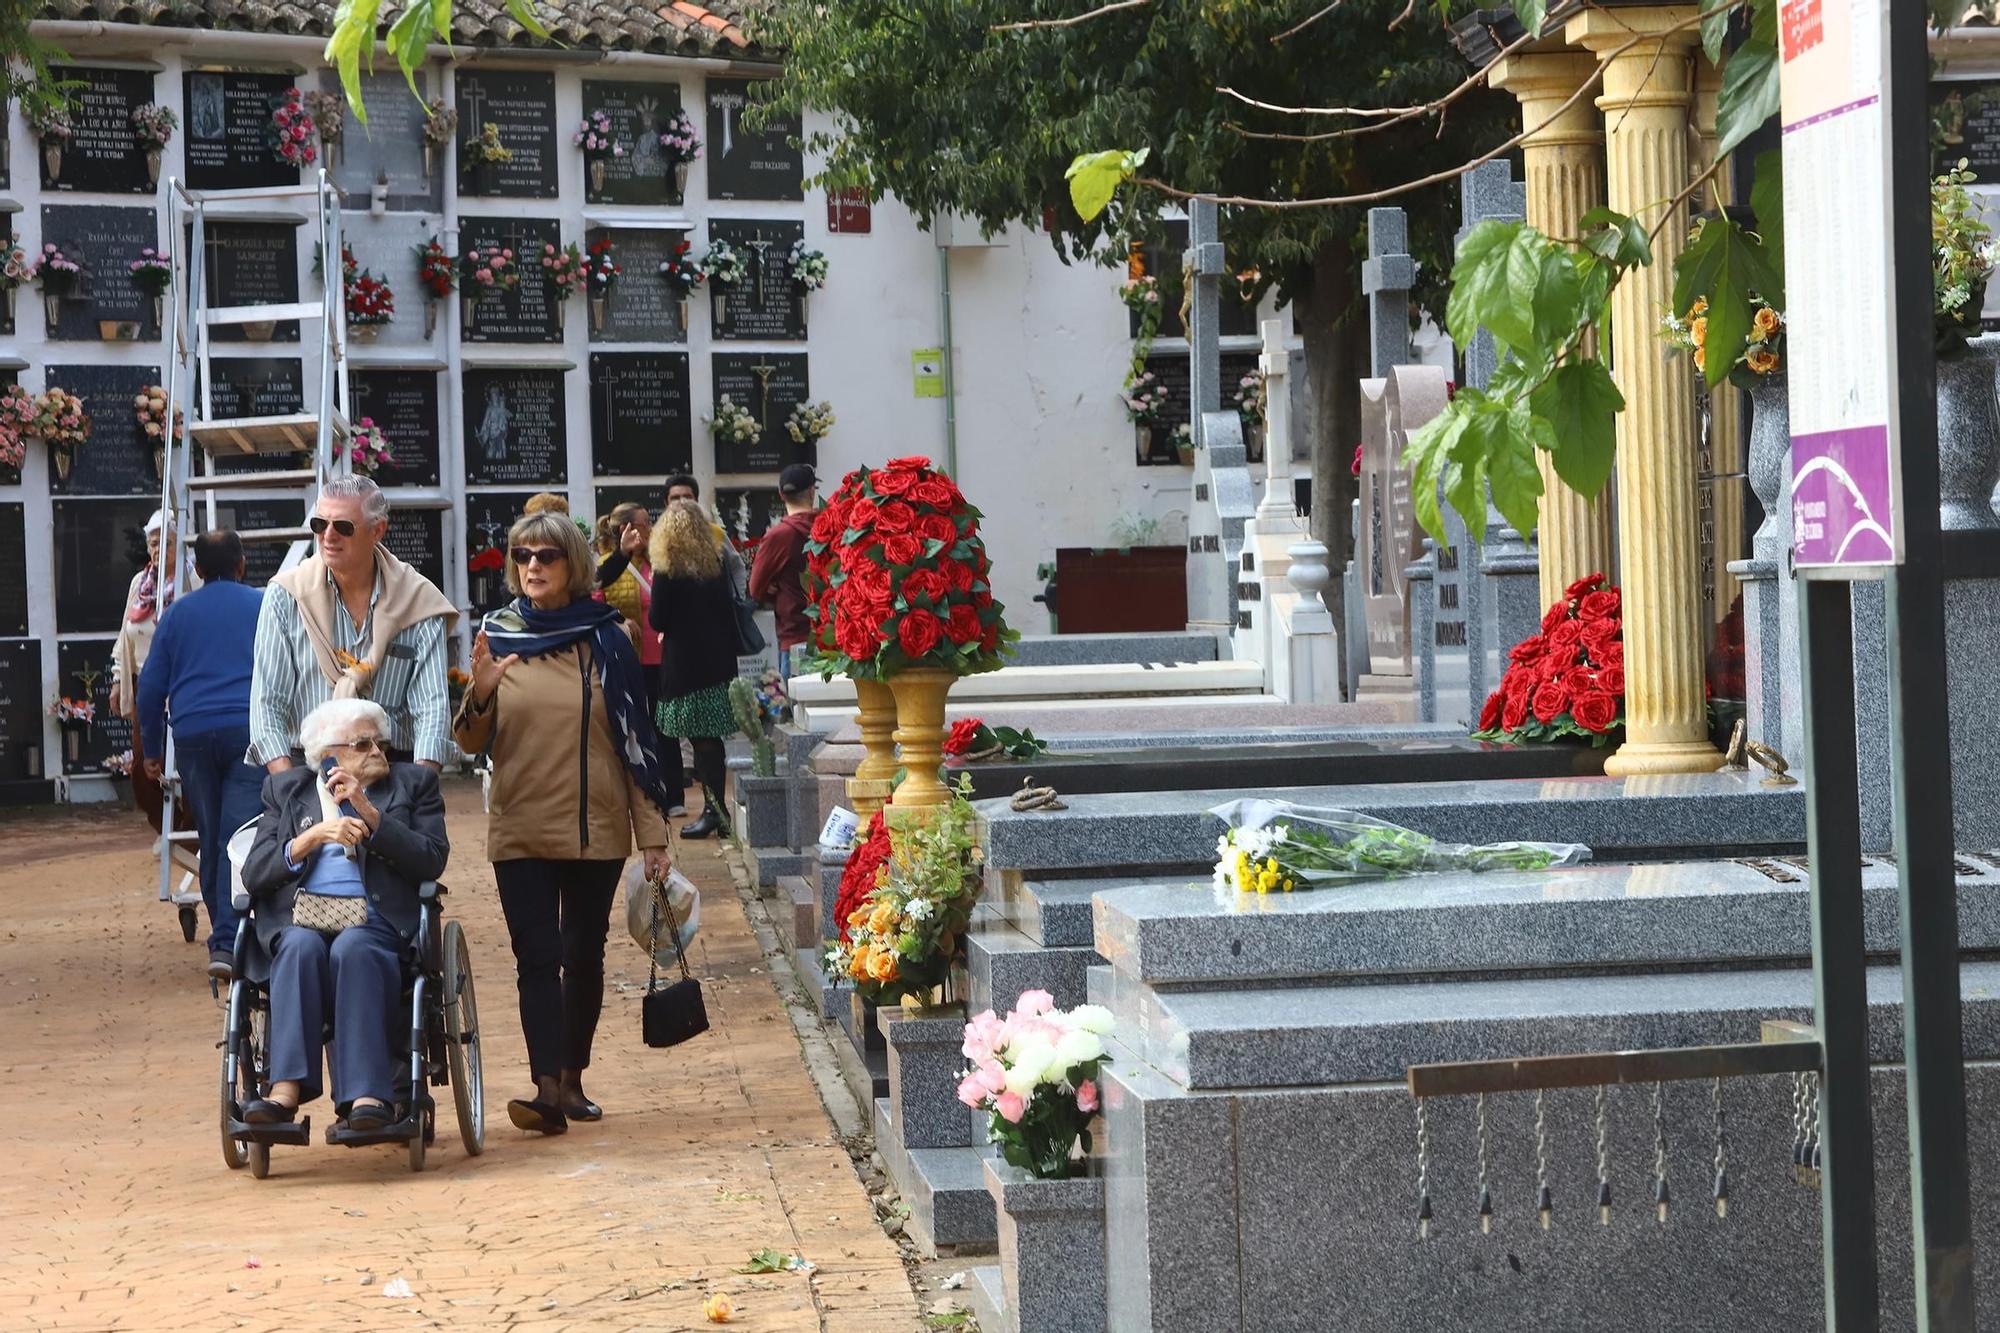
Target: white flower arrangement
x,y
724,264
731,424
809,267
809,422
1035,1075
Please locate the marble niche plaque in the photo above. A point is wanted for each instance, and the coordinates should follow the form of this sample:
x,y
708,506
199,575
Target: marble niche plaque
x,y
747,513
641,307
253,263
641,421
256,386
652,496
768,385
530,312
387,247
404,403
1173,372
225,121
745,163
99,546
22,708
488,516
83,667
767,306
638,112
118,458
523,104
13,569
261,560
105,302
391,144
103,155
416,537
514,429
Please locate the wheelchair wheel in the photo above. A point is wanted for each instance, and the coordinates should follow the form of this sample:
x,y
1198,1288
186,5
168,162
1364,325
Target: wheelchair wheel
x,y
420,1140
250,1077
461,1027
188,923
235,1153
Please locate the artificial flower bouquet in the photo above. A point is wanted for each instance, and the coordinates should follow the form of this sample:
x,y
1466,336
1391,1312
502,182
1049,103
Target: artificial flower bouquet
x,y
152,273
733,424
809,267
809,423
441,123
902,937
724,264
1964,253
599,268
55,271
371,302
1278,847
596,137
772,701
563,267
679,140
681,271
15,270
971,740
76,714
289,131
368,449
153,126
17,422
1035,1075
484,148
149,407
861,876
1145,399
1761,355
490,268
1569,680
435,272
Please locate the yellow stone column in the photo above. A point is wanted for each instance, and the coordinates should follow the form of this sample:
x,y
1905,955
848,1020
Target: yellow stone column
x,y
1725,416
1647,89
1565,169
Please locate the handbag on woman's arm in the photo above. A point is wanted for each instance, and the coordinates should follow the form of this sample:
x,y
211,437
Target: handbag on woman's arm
x,y
673,1013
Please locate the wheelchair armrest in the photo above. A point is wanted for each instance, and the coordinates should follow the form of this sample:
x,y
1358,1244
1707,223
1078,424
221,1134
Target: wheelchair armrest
x,y
428,891
240,900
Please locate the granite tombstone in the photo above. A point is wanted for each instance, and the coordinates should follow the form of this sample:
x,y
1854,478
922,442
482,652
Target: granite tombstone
x,y
522,104
83,669
404,405
13,569
488,516
227,130
261,560
22,708
416,537
641,307
652,498
530,313
745,163
767,306
638,173
390,145
99,545
254,386
514,429
103,154
252,263
104,303
641,421
118,460
767,385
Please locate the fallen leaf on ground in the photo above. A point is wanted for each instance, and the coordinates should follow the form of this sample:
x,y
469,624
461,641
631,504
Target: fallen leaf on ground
x,y
396,1289
952,1283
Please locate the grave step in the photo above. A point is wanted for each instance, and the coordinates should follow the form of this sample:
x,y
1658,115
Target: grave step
x,y
986,1297
1078,649
243,481
944,1187
1054,913
275,534
1082,680
792,912
825,996
296,432
1001,962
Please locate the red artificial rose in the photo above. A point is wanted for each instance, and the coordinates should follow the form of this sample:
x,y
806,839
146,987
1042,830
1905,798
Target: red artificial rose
x,y
936,528
856,636
1594,712
1489,716
857,604
861,514
902,549
1556,616
1529,650
982,599
989,638
1597,636
1612,654
1564,639
1587,584
829,525
919,632
1599,605
958,575
964,624
894,516
1611,680
926,584
909,461
1553,667
866,578
857,881
1551,700
1518,684
1578,680
1514,712
897,482
962,735
937,493
1356,467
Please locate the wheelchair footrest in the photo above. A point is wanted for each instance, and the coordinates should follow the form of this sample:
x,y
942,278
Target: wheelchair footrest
x,y
399,1131
298,1132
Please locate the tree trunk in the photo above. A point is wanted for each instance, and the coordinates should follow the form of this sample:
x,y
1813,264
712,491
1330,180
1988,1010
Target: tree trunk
x,y
1329,320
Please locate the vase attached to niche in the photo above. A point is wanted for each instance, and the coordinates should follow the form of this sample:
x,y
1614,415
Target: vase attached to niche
x,y
364,333
597,170
153,166
682,306
1145,434
597,309
680,181
1968,429
719,305
430,316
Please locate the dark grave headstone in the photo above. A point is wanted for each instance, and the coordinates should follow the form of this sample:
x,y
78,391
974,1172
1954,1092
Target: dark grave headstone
x,y
514,429
99,546
745,163
523,104
1173,374
653,497
747,513
1966,117
528,313
13,569
638,112
641,421
104,241
391,144
256,386
103,155
404,404
253,263
767,385
261,560
7,306
488,517
767,306
84,671
416,537
641,307
23,705
225,130
118,459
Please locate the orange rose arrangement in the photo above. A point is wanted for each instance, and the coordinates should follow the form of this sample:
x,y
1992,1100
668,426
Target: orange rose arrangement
x,y
900,937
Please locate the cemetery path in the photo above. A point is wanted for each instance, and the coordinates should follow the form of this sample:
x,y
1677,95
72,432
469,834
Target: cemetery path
x,y
116,1210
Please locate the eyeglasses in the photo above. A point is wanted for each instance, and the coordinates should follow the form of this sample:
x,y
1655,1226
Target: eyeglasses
x,y
547,555
366,745
343,526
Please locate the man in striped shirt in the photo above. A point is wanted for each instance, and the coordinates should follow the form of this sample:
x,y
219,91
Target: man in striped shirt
x,y
351,621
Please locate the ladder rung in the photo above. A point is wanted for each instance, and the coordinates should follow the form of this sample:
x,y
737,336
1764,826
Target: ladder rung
x,y
298,433
253,314
274,534
301,190
242,481
184,835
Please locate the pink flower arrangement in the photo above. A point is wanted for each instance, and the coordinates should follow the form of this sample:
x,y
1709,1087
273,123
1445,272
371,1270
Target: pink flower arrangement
x,y
564,268
15,270
679,140
150,407
1035,1074
368,449
595,137
54,269
290,132
491,268
17,422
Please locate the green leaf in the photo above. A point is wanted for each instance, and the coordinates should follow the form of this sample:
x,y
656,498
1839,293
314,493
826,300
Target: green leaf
x,y
1580,403
1715,28
1749,94
1616,237
1479,279
1531,13
1511,469
1558,300
1095,177
1767,201
353,37
1725,264
523,14
765,1261
1426,453
411,34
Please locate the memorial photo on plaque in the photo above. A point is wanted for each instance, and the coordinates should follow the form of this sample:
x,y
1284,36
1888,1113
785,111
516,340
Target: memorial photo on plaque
x,y
487,520
103,303
750,164
99,546
767,385
514,432
118,458
642,307
13,569
253,263
416,537
641,423
529,312
228,130
404,406
23,706
83,668
767,306
390,145
640,172
521,106
103,154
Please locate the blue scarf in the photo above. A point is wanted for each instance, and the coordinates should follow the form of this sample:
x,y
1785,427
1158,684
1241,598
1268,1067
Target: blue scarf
x,y
524,628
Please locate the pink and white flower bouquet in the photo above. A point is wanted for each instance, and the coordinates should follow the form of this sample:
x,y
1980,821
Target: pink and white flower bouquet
x,y
1035,1074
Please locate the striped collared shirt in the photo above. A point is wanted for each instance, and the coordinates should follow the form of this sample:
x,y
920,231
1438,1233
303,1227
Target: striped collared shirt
x,y
286,683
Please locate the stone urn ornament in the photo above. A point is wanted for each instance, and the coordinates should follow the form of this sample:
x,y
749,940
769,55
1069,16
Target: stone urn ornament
x,y
874,777
1769,465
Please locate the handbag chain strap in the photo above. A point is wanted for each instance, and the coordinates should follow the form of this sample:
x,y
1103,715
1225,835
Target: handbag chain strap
x,y
659,895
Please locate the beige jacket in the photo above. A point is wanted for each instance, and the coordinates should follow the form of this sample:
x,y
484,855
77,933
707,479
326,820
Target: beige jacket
x,y
561,790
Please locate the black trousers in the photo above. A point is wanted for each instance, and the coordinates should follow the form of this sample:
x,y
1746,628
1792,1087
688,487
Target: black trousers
x,y
557,914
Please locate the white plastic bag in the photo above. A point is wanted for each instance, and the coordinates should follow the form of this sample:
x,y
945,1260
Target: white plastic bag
x,y
681,897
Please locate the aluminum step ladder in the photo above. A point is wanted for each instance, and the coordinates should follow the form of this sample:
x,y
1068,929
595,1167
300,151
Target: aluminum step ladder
x,y
314,443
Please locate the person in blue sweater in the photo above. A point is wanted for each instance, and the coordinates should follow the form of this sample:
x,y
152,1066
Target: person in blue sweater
x,y
199,671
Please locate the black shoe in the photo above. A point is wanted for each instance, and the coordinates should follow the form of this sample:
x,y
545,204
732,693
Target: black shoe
x,y
368,1119
582,1108
542,1117
221,965
704,826
264,1111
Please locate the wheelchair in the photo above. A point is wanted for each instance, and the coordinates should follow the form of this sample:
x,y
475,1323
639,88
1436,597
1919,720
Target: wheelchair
x,y
443,1040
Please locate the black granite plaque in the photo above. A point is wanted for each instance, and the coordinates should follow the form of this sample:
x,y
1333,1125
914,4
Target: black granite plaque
x,y
404,403
84,670
103,155
523,104
13,569
225,122
1173,372
416,537
99,546
529,313
1966,114
641,423
253,263
390,145
767,306
261,560
7,306
118,458
487,519
23,705
641,307
514,432
104,241
747,513
768,386
745,163
653,497
639,174
257,386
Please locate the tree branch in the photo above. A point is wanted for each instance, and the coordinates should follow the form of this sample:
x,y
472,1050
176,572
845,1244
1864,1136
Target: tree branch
x,y
1071,22
1307,22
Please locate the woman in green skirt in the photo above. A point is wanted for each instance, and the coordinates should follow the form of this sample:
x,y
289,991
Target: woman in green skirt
x,y
692,611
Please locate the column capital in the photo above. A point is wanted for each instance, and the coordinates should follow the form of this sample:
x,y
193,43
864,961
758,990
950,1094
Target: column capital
x,y
1542,83
1651,71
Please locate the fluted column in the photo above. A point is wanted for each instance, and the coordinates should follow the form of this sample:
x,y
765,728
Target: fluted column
x,y
1647,89
1725,406
1564,161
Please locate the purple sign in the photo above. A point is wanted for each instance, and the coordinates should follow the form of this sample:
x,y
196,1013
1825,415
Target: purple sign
x,y
1843,498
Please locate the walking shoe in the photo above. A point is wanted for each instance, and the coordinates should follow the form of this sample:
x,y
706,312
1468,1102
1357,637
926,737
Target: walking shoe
x,y
676,810
221,965
703,827
540,1116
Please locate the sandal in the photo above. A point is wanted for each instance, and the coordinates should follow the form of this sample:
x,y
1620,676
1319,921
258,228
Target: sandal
x,y
374,1116
264,1111
542,1117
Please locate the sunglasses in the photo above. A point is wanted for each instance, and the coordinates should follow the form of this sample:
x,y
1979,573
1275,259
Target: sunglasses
x,y
547,555
343,526
366,745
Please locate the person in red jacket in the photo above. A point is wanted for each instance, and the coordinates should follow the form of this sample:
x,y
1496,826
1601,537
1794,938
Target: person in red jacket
x,y
777,576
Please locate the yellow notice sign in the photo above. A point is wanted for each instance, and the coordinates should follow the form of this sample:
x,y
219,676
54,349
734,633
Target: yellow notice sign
x,y
927,369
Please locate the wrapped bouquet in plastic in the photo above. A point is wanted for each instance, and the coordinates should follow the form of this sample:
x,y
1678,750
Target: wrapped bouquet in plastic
x,y
1278,847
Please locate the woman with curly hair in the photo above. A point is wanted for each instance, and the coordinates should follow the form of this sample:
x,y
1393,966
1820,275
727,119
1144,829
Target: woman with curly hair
x,y
692,610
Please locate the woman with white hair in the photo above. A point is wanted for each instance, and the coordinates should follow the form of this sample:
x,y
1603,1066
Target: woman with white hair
x,y
335,904
146,600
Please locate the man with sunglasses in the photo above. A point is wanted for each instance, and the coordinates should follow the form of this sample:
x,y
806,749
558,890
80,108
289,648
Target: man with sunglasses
x,y
351,621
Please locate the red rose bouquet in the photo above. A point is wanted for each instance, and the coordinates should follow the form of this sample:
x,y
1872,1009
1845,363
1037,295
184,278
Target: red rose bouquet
x,y
898,577
1569,680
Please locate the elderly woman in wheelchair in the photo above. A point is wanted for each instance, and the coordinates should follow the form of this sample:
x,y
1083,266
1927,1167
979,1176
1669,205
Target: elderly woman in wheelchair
x,y
333,875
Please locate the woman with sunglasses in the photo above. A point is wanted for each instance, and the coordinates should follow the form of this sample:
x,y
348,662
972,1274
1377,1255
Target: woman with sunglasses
x,y
692,610
558,700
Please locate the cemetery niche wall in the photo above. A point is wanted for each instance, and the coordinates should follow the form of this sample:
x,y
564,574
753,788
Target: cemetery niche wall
x,y
639,172
99,546
745,164
404,405
254,386
252,263
118,459
389,149
641,421
531,311
488,516
23,709
641,307
84,672
515,433
767,306
103,155
104,304
226,120
13,569
767,385
521,105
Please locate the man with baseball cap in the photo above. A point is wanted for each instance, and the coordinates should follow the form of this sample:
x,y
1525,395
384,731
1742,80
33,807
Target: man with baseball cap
x,y
777,576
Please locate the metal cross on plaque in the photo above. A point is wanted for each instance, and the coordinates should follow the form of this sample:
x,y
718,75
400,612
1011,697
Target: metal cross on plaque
x,y
763,374
762,246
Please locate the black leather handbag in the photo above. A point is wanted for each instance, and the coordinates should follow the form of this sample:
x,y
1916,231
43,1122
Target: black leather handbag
x,y
749,638
672,1013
